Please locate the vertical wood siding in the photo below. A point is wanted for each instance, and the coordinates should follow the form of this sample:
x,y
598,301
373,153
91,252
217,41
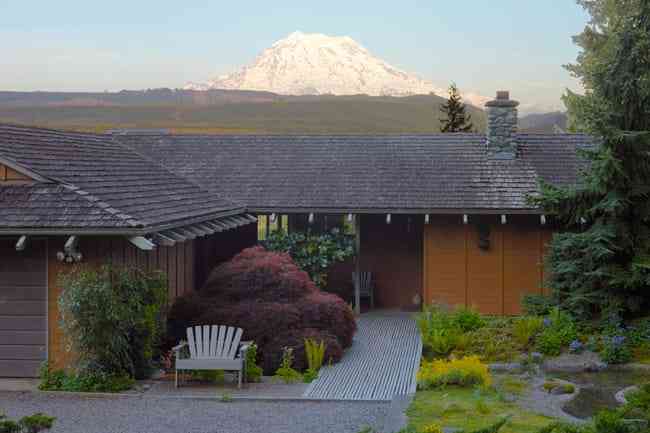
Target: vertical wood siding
x,y
10,175
458,272
176,262
393,253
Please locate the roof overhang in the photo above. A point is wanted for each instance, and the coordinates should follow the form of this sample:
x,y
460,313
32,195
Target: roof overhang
x,y
178,232
396,211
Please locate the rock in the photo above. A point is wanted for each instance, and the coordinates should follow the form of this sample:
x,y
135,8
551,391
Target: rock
x,y
505,367
620,395
575,363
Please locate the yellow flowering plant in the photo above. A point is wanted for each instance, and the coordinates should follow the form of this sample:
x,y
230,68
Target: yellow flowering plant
x,y
466,371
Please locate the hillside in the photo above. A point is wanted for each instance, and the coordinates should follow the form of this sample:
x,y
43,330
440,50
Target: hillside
x,y
226,111
544,122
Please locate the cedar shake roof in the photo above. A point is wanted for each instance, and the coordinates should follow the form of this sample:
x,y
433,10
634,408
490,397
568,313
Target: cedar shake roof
x,y
94,182
392,173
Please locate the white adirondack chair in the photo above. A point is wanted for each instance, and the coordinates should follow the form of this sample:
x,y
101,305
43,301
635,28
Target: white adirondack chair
x,y
213,348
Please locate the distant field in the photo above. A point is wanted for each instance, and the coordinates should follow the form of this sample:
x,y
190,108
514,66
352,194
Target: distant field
x,y
276,115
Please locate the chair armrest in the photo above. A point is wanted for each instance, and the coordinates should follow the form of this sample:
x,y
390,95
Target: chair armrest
x,y
180,346
243,347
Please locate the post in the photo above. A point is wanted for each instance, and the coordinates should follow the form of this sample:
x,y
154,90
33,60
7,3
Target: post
x,y
357,264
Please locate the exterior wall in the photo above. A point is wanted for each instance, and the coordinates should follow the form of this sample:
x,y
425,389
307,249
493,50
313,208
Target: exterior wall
x,y
212,250
10,175
186,266
393,253
177,262
458,272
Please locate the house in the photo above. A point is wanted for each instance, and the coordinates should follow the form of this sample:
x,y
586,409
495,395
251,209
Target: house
x,y
70,197
440,218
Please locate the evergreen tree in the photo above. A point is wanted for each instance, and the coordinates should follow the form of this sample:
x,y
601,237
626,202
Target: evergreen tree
x,y
456,120
601,263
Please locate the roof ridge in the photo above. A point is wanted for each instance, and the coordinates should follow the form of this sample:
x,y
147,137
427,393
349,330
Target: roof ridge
x,y
46,129
103,205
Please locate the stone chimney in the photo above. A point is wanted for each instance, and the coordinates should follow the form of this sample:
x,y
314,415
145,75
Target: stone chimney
x,y
502,126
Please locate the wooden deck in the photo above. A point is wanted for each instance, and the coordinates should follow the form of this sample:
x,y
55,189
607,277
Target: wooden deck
x,y
382,362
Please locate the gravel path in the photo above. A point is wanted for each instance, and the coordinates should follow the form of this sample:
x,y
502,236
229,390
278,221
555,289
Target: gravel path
x,y
77,414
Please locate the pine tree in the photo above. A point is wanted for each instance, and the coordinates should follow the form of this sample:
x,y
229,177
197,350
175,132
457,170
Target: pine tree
x,y
456,120
600,264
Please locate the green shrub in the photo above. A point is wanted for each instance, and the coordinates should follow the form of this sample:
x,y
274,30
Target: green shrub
x,y
445,331
494,342
315,353
28,424
558,332
286,372
313,253
83,381
468,319
113,318
615,350
537,305
638,402
253,371
527,327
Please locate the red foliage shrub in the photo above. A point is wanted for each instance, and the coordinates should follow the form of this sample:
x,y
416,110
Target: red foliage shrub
x,y
328,312
258,275
296,339
273,301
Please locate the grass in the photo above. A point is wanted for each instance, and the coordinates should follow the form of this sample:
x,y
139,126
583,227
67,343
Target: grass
x,y
458,408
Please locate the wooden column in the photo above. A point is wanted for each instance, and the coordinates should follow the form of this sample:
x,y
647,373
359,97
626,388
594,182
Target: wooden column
x,y
357,264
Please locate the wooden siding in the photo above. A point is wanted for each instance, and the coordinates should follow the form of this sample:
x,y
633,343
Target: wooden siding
x,y
176,262
212,250
8,174
393,253
458,272
23,328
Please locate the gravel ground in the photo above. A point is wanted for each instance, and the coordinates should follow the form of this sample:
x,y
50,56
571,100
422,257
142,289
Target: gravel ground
x,y
81,414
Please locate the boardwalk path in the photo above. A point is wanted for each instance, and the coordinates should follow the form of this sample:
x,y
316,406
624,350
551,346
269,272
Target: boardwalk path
x,y
382,362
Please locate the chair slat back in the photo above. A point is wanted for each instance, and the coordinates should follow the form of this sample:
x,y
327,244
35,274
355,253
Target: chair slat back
x,y
365,282
220,342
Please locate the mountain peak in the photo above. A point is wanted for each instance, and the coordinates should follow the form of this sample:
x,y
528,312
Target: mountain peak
x,y
315,63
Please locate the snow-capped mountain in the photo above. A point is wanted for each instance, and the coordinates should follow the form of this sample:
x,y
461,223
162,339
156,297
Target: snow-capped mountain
x,y
317,64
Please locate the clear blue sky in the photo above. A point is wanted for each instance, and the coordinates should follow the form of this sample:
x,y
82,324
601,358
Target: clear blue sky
x,y
483,45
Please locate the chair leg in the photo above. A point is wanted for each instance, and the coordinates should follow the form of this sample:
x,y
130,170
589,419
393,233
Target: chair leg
x,y
176,378
239,379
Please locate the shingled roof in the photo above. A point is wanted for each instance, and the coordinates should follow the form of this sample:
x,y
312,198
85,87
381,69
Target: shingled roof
x,y
90,182
395,173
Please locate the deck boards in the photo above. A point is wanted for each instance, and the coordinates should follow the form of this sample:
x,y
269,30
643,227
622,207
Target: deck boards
x,y
382,362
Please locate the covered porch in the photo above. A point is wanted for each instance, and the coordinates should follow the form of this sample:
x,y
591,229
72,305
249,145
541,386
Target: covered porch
x,y
389,248
487,260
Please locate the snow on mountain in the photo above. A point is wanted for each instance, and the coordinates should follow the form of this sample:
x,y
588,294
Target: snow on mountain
x,y
317,64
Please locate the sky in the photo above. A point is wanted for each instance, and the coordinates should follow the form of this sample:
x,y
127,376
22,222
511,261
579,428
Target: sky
x,y
482,45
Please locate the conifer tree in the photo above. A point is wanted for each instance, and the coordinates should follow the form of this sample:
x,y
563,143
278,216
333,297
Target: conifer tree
x,y
600,264
455,120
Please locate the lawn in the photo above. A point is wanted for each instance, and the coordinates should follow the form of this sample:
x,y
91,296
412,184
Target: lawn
x,y
470,409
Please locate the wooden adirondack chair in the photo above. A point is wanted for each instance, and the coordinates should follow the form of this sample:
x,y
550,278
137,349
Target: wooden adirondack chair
x,y
213,348
366,286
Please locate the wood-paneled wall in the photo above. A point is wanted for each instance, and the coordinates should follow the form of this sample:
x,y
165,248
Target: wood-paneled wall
x,y
10,175
186,266
176,262
458,272
393,253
